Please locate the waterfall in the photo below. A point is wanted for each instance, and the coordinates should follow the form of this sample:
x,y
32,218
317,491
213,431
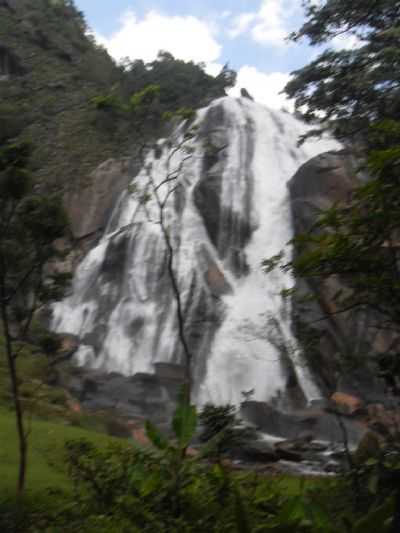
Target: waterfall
x,y
222,186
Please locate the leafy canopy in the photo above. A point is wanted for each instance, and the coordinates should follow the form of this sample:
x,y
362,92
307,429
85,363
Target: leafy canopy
x,y
354,88
30,223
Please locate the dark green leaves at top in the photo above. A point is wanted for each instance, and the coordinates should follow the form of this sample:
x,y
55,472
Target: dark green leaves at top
x,y
15,179
145,97
44,217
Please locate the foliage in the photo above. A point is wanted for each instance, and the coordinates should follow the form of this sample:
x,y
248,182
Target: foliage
x,y
161,489
353,88
358,92
119,487
355,93
29,226
220,428
153,93
63,69
182,84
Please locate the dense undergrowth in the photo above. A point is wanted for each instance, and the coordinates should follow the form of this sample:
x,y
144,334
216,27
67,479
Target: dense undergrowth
x,y
80,480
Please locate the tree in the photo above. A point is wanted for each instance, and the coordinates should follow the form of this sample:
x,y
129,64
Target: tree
x,y
356,94
29,225
356,88
145,109
182,84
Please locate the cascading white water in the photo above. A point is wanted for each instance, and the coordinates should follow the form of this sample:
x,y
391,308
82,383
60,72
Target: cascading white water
x,y
227,209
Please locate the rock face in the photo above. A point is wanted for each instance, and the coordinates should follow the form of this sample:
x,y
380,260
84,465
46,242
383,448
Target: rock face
x,y
321,182
140,397
90,208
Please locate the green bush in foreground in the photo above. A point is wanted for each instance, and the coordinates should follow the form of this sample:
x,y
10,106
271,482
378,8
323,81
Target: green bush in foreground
x,y
118,487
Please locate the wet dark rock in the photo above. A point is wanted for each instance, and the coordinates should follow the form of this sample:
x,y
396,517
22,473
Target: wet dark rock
x,y
229,231
112,268
169,371
244,93
300,449
257,451
333,467
287,450
322,425
144,396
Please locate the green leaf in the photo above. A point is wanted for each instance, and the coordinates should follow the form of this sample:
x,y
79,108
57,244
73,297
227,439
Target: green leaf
x,y
155,436
184,424
376,520
151,484
242,518
373,484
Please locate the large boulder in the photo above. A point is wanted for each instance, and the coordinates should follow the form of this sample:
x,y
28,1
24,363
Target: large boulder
x,y
346,404
323,181
314,422
256,452
90,207
141,396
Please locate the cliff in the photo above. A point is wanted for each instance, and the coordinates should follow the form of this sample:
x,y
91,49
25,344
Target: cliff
x,y
339,346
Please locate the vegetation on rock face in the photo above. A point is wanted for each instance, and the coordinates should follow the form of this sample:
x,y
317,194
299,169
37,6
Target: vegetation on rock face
x,y
61,69
183,84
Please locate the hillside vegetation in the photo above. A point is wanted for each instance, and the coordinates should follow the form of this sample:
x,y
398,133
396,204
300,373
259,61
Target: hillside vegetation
x,y
51,69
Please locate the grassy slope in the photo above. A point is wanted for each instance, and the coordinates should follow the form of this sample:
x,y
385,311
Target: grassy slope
x,y
46,445
49,419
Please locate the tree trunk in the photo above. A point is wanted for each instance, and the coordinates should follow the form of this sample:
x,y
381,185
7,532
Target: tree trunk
x,y
11,362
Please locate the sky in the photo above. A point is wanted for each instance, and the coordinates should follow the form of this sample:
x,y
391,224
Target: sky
x,y
249,35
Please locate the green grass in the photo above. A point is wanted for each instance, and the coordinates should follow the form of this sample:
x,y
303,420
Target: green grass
x,y
45,459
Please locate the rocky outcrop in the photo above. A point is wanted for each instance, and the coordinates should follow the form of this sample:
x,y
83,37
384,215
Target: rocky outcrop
x,y
90,208
228,229
346,404
329,336
315,423
140,397
9,64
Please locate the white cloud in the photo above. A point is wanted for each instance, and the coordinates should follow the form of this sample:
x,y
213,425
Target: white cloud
x,y
241,24
264,87
213,69
185,37
270,25
346,41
